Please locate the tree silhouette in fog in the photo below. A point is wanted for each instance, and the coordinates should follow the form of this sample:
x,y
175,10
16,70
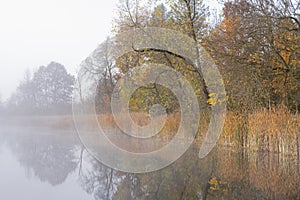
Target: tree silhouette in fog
x,y
48,91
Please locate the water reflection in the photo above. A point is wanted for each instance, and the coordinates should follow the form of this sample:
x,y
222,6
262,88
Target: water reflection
x,y
99,180
187,178
47,157
55,157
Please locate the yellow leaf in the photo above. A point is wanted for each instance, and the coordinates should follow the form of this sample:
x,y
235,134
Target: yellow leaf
x,y
212,100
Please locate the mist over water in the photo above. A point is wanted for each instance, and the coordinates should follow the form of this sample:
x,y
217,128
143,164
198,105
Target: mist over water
x,y
53,164
228,83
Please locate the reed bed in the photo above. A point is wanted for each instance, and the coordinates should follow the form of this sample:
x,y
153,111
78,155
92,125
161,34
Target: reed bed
x,y
273,130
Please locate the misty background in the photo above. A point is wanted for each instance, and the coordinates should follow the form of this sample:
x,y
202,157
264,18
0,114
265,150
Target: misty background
x,y
35,33
43,44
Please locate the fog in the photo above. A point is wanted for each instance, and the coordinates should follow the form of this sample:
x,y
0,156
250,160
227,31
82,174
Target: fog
x,y
34,33
70,130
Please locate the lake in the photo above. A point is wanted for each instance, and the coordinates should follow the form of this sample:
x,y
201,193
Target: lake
x,y
41,164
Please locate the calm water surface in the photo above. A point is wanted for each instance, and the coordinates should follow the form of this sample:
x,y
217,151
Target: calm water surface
x,y
39,164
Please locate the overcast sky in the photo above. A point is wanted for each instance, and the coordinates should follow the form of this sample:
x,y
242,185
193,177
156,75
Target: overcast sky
x,y
36,32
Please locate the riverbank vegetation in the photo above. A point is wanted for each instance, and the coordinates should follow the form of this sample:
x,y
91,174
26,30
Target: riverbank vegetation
x,y
254,43
256,46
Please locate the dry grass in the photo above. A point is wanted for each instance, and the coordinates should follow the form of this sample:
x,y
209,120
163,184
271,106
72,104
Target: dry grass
x,y
231,126
142,119
274,130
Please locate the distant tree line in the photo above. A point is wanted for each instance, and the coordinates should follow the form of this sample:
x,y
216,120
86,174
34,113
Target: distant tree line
x,y
47,91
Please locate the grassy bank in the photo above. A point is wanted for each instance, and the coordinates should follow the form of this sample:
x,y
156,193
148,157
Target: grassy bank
x,y
275,130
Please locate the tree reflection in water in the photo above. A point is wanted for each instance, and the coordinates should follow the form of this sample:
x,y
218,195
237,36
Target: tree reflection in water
x,y
48,157
97,179
187,178
223,174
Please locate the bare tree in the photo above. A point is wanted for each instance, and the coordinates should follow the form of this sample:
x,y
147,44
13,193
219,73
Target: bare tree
x,y
101,65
